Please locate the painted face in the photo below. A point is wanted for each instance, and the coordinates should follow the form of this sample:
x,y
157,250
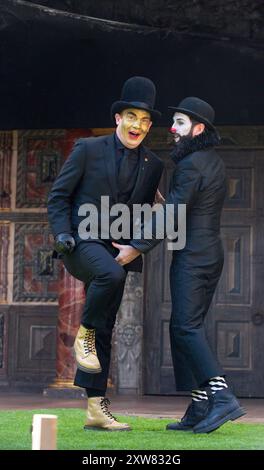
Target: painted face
x,y
181,126
132,126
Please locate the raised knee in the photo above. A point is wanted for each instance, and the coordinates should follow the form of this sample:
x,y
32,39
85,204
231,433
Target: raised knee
x,y
117,276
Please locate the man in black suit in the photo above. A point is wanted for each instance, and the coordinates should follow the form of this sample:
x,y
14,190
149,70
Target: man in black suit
x,y
198,182
122,170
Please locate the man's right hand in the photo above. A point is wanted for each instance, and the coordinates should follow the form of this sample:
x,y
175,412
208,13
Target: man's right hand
x,y
127,253
159,199
64,243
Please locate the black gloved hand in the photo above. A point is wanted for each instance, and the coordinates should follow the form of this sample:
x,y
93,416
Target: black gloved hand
x,y
64,243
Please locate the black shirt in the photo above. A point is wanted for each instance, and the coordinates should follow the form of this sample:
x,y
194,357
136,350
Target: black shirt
x,y
127,165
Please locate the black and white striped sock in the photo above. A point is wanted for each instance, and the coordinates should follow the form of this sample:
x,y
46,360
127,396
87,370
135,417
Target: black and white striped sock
x,y
199,395
217,383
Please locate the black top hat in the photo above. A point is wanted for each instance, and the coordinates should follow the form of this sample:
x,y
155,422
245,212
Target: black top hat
x,y
197,109
137,92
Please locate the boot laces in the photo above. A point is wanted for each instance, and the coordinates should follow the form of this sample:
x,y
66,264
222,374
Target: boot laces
x,y
89,341
105,402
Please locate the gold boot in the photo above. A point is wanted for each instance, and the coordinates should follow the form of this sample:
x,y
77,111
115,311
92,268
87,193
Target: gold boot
x,y
85,352
99,417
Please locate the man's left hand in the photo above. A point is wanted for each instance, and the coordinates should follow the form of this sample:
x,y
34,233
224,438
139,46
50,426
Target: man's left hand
x,y
127,253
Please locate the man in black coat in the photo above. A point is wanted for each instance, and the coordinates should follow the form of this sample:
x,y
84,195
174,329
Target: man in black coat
x,y
113,169
198,182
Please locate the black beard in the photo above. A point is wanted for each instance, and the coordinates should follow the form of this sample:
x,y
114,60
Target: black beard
x,y
183,138
189,144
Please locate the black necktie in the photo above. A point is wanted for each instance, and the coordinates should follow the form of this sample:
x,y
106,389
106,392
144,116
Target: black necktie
x,y
127,174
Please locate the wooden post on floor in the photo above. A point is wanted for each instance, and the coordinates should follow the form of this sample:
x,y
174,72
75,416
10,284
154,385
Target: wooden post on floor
x,y
44,432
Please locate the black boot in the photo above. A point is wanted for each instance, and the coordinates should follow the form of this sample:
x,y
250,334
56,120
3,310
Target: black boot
x,y
195,412
223,407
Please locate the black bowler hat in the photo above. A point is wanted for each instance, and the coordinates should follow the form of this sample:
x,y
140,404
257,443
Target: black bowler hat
x,y
197,109
139,93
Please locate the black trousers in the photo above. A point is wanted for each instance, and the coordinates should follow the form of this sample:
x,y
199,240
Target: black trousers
x,y
192,291
104,278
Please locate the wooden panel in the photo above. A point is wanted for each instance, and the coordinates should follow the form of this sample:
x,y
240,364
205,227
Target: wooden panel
x,y
233,341
4,248
42,342
32,344
5,169
235,284
2,323
40,155
35,342
165,345
3,341
239,188
35,272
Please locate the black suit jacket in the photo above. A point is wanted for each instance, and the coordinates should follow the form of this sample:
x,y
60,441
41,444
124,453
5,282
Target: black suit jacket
x,y
199,182
89,173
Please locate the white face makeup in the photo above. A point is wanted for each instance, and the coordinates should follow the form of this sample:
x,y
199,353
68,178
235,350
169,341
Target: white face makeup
x,y
181,126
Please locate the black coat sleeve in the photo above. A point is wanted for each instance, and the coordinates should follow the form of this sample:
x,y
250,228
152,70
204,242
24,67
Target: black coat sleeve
x,y
59,200
157,175
183,190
